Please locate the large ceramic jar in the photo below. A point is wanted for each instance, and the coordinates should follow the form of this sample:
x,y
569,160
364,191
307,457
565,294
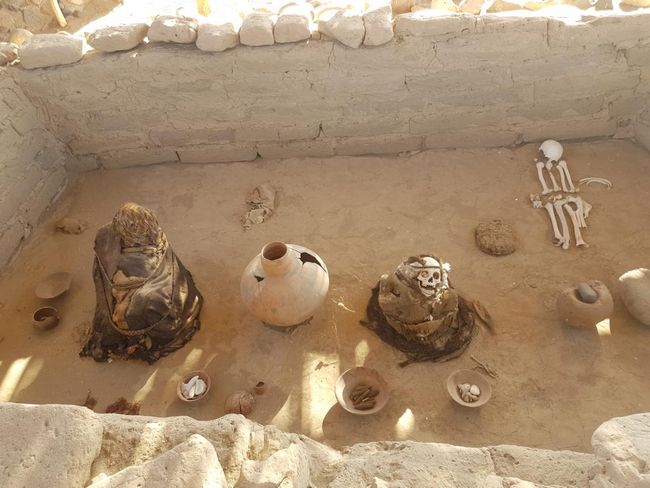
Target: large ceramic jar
x,y
284,284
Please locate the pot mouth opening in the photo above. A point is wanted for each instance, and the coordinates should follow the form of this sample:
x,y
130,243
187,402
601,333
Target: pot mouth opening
x,y
274,250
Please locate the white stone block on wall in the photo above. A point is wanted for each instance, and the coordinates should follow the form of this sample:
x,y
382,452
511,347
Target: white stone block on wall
x,y
118,38
45,50
379,26
167,28
217,37
257,30
637,3
292,28
346,26
426,24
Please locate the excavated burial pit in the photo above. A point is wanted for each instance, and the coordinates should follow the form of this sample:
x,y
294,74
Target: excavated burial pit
x,y
363,216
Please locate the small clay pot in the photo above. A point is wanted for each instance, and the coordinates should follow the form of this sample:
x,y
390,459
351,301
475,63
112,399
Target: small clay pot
x,y
576,313
45,318
350,379
241,402
474,378
186,377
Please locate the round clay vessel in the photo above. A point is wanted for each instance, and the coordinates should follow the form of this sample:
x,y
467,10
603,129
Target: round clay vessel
x,y
241,402
284,284
575,312
635,293
54,285
187,377
473,378
45,318
354,377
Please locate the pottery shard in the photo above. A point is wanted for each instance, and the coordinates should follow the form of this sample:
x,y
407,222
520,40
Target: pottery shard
x,y
292,28
118,38
168,28
192,464
635,292
496,238
346,26
49,446
45,50
217,37
8,52
379,26
257,30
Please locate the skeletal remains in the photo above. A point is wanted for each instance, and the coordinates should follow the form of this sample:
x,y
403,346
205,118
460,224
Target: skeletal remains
x,y
556,203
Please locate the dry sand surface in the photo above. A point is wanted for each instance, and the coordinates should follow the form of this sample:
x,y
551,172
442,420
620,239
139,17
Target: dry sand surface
x,y
363,216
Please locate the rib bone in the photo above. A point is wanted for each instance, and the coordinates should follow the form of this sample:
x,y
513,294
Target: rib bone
x,y
576,226
549,168
556,232
563,168
566,237
540,175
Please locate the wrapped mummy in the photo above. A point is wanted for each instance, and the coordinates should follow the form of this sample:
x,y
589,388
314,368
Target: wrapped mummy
x,y
147,303
417,310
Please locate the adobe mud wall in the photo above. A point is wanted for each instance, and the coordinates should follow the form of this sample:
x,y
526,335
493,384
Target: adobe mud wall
x,y
454,81
32,171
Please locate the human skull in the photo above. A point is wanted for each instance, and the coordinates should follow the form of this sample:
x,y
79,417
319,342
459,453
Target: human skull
x,y
430,275
551,150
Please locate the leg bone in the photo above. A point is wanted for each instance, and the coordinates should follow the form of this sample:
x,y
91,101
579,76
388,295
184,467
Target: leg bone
x,y
566,237
576,226
556,232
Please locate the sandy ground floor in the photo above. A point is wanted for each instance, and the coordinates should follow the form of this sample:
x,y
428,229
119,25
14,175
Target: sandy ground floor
x,y
555,385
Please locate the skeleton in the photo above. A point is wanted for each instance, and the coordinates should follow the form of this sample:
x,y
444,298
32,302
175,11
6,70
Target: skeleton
x,y
556,204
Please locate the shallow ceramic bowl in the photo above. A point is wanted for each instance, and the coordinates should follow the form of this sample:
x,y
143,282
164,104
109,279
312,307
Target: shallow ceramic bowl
x,y
187,377
461,376
349,380
45,318
54,285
